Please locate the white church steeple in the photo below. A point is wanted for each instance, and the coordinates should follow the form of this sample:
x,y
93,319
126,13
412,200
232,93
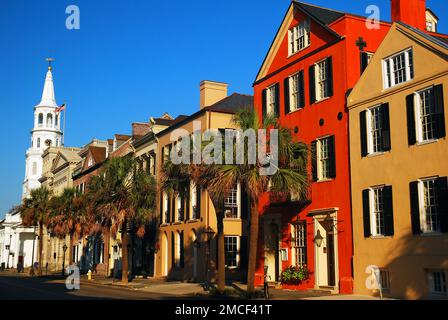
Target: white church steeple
x,y
46,132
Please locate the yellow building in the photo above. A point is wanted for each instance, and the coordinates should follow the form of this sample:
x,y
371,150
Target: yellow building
x,y
188,225
398,152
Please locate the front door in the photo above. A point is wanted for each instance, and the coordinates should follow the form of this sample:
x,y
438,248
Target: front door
x,y
325,253
271,229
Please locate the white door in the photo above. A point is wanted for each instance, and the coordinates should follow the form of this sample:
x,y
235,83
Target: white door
x,y
271,247
321,256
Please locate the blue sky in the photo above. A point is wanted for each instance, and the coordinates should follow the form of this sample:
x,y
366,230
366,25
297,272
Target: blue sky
x,y
130,60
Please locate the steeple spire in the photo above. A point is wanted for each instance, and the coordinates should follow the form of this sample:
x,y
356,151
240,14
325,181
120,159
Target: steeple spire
x,y
48,98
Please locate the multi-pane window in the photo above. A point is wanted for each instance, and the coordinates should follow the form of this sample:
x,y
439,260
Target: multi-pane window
x,y
299,243
294,92
324,159
426,114
231,249
271,100
231,203
385,280
437,282
429,215
321,80
377,212
299,37
398,68
375,129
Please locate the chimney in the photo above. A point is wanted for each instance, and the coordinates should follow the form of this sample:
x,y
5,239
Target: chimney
x,y
211,92
140,129
411,12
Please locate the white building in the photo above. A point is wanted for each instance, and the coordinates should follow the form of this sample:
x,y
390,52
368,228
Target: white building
x,y
46,132
16,242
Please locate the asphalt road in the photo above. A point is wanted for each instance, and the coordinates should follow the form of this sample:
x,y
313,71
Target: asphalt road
x,y
23,287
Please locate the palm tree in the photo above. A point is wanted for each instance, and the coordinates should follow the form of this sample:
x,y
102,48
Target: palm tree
x,y
123,196
35,210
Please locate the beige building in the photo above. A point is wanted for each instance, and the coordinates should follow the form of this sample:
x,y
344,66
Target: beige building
x,y
188,225
399,168
59,164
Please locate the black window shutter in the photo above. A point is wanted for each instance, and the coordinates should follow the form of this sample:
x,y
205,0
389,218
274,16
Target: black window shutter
x,y
263,102
364,61
277,100
330,76
168,210
198,202
440,113
366,212
388,211
286,90
173,208
332,156
442,205
385,127
182,253
182,208
161,208
301,90
312,84
243,252
415,209
314,160
411,119
245,206
363,131
187,204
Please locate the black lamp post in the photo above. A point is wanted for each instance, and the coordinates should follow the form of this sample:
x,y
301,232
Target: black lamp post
x,y
64,248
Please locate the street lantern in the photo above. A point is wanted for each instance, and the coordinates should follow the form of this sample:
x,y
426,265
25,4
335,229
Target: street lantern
x,y
64,248
318,239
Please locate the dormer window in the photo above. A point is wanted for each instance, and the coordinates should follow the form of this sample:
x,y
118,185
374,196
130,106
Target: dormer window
x,y
90,162
398,68
299,37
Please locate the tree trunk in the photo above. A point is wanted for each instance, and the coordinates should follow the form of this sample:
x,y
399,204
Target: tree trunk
x,y
106,239
253,241
124,254
70,248
221,279
41,249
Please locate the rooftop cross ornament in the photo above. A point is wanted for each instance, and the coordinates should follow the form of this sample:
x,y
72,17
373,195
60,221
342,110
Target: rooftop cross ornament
x,y
49,60
361,43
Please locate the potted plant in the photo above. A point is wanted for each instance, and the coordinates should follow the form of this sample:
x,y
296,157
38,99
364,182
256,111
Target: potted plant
x,y
295,275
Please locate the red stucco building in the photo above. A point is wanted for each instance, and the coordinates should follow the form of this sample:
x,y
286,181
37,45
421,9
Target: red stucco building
x,y
316,57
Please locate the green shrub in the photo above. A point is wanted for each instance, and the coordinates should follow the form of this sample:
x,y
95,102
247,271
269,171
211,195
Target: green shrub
x,y
295,274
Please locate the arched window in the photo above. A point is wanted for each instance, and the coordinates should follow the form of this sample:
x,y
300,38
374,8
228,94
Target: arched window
x,y
38,142
32,142
34,170
57,142
40,120
56,121
49,120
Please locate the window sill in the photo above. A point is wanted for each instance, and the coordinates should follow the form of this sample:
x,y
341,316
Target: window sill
x,y
380,237
298,51
324,180
164,224
423,143
431,234
322,100
177,222
376,154
294,111
232,219
193,220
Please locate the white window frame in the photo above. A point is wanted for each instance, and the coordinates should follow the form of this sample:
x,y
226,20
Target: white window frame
x,y
270,99
302,30
388,69
178,207
370,142
321,66
373,213
422,209
238,202
165,207
320,176
238,249
294,93
193,200
418,116
177,249
295,248
443,284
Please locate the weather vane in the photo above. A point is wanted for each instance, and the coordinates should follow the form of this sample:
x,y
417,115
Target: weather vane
x,y
50,60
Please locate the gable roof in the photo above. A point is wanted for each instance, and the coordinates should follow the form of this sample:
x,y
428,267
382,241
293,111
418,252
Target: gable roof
x,y
440,41
322,16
